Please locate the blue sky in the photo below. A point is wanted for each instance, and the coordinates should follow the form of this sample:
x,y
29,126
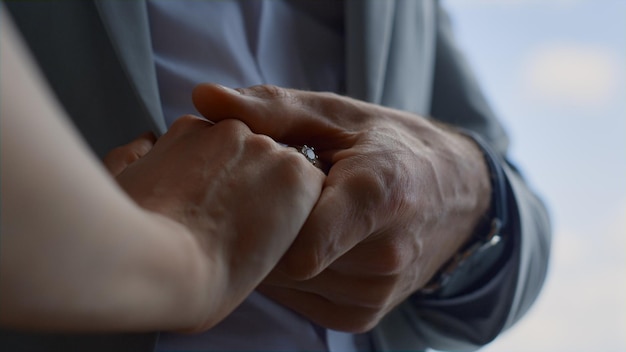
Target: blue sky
x,y
555,71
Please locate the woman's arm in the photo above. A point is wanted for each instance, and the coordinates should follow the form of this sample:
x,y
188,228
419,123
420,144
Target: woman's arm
x,y
77,254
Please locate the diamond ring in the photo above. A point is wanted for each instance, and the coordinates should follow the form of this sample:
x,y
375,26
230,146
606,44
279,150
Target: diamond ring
x,y
309,154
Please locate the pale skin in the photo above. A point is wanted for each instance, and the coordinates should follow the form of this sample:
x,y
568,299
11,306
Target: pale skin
x,y
194,238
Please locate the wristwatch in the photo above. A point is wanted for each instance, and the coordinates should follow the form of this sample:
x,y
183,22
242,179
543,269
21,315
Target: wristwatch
x,y
477,260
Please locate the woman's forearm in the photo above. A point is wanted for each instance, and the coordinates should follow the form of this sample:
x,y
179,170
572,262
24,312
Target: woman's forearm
x,y
176,241
76,253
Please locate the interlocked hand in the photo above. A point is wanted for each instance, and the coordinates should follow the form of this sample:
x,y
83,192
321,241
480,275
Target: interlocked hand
x,y
401,196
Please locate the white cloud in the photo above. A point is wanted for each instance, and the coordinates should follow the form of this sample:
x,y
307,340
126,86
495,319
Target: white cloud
x,y
571,74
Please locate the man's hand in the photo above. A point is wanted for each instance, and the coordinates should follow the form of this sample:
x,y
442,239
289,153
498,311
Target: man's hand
x,y
242,195
401,196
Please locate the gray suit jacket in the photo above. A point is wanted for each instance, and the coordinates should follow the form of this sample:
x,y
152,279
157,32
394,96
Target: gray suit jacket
x,y
97,57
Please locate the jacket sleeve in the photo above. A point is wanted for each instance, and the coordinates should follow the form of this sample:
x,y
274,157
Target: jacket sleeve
x,y
475,317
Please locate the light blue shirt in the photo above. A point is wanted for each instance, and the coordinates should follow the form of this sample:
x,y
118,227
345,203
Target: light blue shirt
x,y
297,44
239,44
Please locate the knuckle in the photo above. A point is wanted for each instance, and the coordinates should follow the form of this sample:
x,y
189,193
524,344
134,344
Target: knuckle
x,y
369,299
366,323
183,124
392,259
301,265
295,165
361,320
260,143
115,153
389,186
231,124
292,170
232,130
373,294
122,155
369,188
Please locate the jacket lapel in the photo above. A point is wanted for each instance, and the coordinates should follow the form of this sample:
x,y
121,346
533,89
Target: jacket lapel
x,y
390,52
127,25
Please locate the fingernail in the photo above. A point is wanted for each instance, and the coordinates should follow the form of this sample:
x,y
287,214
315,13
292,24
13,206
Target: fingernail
x,y
230,90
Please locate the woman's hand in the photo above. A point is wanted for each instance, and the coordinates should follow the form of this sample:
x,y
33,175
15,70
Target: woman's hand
x,y
243,196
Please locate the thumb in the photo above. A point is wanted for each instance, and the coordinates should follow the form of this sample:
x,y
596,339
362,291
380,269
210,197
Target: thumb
x,y
217,103
286,115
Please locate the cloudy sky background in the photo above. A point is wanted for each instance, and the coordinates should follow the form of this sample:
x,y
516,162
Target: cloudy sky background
x,y
555,71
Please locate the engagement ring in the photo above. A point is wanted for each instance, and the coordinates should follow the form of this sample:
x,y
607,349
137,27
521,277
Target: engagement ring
x,y
309,154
